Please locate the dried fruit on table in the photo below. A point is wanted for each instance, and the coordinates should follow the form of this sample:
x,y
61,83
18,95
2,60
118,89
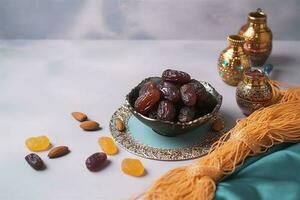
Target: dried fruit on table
x,y
199,89
58,151
89,125
188,95
176,76
217,125
119,124
150,85
133,167
35,161
95,161
107,145
166,111
170,91
39,143
145,102
79,116
187,114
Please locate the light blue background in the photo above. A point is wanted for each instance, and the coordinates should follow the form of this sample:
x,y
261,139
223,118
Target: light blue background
x,y
141,19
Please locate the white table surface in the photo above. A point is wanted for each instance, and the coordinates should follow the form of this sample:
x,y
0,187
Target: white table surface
x,y
42,82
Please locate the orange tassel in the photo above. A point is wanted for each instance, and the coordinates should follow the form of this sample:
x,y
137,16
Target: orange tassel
x,y
252,135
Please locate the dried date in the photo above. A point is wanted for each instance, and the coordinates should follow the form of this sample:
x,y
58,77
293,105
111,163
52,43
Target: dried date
x,y
153,113
188,95
199,89
145,102
176,76
35,161
166,111
207,105
170,91
187,114
95,161
150,85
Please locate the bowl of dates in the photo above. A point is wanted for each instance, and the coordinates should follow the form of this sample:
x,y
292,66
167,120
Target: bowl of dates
x,y
174,103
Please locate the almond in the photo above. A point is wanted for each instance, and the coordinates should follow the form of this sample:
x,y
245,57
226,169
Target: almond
x,y
79,116
119,124
217,125
89,126
58,151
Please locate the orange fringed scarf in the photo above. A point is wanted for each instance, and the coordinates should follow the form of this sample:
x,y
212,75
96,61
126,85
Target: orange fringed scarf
x,y
251,136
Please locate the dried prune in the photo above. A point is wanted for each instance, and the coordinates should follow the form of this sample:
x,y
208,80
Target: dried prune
x,y
170,91
150,85
147,101
199,89
176,76
35,161
166,111
188,95
95,161
187,114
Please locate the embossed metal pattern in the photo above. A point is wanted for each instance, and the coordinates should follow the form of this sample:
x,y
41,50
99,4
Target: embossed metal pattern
x,y
253,92
126,141
233,61
258,37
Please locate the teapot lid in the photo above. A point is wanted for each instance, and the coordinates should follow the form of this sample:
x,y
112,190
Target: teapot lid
x,y
257,16
255,75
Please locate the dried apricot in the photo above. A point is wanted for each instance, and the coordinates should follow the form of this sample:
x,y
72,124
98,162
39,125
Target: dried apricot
x,y
107,145
40,143
133,167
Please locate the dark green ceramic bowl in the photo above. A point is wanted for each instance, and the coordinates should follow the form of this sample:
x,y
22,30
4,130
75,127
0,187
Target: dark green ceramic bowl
x,y
168,128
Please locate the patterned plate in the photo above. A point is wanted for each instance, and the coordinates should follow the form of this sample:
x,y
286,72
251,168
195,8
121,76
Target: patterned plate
x,y
141,140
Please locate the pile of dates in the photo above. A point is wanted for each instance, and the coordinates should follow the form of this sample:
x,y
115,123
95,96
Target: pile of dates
x,y
176,97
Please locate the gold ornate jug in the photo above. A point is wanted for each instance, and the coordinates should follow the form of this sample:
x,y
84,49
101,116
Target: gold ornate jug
x,y
258,37
233,61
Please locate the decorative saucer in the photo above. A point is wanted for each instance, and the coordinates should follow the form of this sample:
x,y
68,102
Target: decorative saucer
x,y
141,140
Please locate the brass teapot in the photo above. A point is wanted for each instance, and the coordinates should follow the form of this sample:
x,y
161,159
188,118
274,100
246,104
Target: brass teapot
x,y
258,37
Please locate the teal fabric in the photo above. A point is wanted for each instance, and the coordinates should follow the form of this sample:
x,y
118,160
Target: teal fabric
x,y
273,176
